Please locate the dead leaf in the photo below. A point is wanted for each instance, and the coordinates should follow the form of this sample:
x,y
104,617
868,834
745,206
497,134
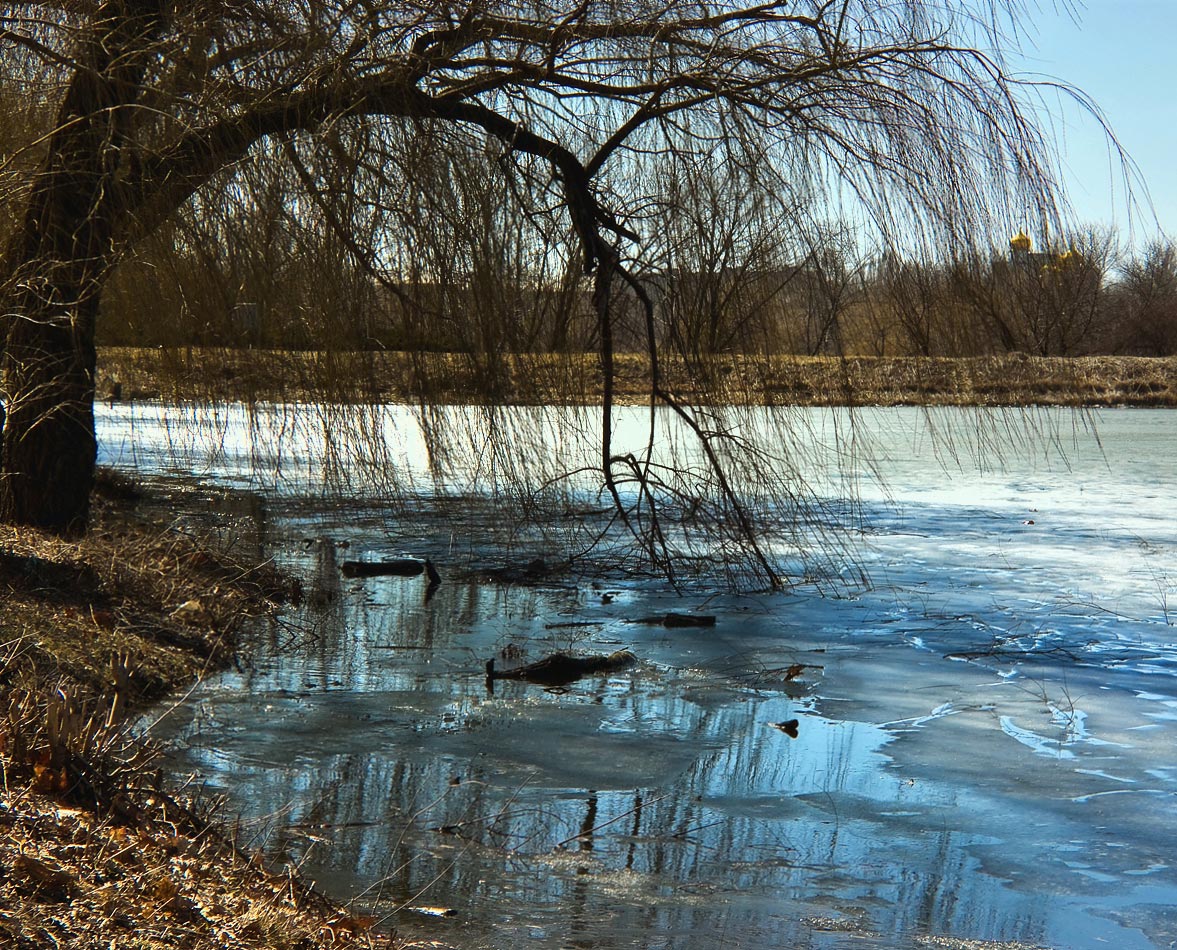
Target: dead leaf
x,y
358,924
43,874
189,610
50,781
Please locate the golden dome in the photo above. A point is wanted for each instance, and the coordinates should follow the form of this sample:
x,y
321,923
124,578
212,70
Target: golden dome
x,y
1020,242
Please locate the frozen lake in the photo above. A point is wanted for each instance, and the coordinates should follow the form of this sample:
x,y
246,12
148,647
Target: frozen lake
x,y
985,743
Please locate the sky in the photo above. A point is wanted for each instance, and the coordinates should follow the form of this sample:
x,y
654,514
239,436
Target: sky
x,y
1123,54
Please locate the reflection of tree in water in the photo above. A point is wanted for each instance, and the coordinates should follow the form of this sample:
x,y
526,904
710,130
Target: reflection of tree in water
x,y
649,803
802,832
326,612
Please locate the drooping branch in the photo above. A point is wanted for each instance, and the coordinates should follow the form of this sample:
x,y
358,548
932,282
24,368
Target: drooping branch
x,y
905,109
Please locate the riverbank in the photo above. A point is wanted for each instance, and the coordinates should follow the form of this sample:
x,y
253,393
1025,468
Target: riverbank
x,y
94,850
199,373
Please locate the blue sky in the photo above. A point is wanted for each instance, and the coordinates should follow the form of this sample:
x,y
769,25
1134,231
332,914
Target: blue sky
x,y
1123,53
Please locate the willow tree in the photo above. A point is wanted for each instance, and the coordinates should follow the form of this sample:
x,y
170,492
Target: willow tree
x,y
905,112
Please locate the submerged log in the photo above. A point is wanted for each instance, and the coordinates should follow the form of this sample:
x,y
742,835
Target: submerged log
x,y
399,567
677,620
560,669
789,728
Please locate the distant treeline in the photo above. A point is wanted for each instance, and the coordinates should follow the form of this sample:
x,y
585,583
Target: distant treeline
x,y
470,266
250,290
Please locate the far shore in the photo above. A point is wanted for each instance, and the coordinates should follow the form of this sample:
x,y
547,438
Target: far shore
x,y
1016,379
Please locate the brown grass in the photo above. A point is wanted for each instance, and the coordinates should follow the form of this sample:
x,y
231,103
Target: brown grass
x,y
276,375
93,851
74,877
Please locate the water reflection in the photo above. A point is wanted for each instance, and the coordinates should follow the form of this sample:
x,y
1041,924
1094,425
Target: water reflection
x,y
656,801
983,749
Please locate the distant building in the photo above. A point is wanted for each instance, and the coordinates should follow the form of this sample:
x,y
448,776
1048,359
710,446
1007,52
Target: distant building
x,y
1025,260
1023,256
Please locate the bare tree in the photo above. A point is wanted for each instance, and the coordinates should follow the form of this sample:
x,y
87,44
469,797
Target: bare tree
x,y
905,111
1048,302
824,289
1076,292
722,249
913,293
1144,313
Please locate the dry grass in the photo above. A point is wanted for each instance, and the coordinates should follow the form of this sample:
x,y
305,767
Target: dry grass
x,y
134,586
277,375
77,878
93,852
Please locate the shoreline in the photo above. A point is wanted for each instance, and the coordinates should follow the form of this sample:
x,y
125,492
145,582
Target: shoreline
x,y
208,373
94,849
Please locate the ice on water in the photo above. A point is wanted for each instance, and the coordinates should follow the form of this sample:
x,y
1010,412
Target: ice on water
x,y
987,731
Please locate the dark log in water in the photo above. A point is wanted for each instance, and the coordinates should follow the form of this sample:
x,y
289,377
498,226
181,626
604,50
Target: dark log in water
x,y
400,567
560,669
677,620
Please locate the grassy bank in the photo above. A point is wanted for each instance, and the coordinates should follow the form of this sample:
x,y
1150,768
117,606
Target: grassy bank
x,y
189,373
94,850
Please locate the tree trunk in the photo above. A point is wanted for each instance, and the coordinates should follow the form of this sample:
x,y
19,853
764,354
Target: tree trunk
x,y
49,446
54,269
